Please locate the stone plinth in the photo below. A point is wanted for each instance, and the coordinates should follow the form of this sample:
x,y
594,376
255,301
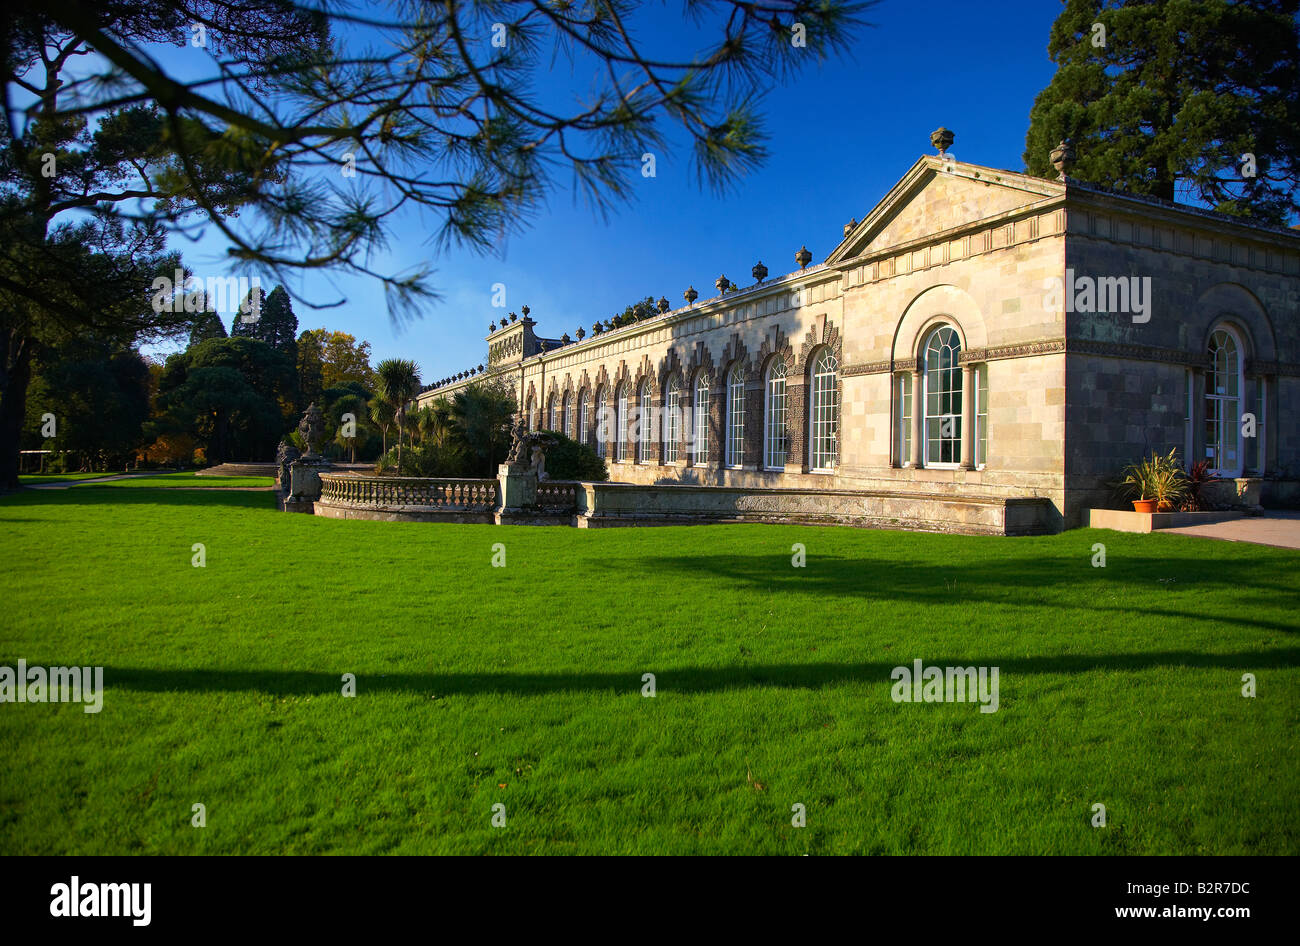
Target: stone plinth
x,y
518,486
304,479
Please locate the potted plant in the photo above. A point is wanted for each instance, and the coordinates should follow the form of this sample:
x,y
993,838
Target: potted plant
x,y
1198,477
1155,482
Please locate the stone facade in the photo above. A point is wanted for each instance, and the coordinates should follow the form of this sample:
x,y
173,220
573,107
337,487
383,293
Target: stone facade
x,y
1039,398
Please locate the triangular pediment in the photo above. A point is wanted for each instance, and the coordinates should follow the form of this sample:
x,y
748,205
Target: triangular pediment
x,y
936,196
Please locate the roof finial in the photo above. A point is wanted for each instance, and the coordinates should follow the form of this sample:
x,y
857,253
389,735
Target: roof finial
x,y
942,138
1063,159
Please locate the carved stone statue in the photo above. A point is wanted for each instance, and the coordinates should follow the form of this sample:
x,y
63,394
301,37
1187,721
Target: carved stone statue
x,y
538,460
519,438
285,454
312,429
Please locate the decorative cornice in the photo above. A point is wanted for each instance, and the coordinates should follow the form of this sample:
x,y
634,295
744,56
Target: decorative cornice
x,y
1077,346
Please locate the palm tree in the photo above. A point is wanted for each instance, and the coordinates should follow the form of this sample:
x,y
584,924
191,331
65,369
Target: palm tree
x,y
381,412
481,415
398,381
356,406
436,423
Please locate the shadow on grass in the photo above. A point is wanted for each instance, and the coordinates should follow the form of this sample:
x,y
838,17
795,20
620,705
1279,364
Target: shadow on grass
x,y
135,496
1024,577
670,680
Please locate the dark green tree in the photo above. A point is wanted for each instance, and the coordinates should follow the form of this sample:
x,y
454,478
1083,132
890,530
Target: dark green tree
x,y
278,326
206,324
248,319
98,394
67,152
232,394
1189,99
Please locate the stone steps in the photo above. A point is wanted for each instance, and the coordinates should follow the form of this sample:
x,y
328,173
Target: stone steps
x,y
239,469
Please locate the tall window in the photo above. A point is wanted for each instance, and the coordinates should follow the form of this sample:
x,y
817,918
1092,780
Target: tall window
x,y
582,417
701,419
531,412
672,421
981,416
736,416
603,432
550,413
904,419
645,431
942,399
1223,404
824,413
774,439
566,426
620,418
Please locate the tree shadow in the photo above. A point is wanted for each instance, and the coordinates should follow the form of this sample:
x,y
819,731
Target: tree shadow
x,y
668,679
1031,578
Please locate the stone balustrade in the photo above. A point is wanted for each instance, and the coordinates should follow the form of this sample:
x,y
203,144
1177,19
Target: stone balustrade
x,y
408,498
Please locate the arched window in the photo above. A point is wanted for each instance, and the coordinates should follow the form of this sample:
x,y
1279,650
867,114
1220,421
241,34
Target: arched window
x,y
672,421
550,413
582,417
604,433
942,398
736,416
701,438
566,427
824,406
530,411
1223,404
620,418
774,436
645,430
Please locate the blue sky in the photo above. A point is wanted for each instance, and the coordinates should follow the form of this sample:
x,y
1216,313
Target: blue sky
x,y
840,136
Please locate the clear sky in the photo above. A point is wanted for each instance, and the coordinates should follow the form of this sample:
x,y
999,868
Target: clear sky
x,y
840,136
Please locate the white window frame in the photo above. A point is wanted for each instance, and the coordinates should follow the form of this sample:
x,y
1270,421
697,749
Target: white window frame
x,y
672,421
700,404
645,431
582,417
823,413
906,402
620,418
1228,407
954,392
981,415
735,443
775,416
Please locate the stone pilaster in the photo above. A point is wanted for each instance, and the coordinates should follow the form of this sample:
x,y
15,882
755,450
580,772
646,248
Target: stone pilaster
x,y
968,417
917,420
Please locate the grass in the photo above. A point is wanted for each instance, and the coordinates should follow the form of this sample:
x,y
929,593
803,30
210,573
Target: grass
x,y
186,481
61,477
522,686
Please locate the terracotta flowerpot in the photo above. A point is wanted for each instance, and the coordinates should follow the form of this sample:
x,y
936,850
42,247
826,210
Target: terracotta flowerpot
x,y
1144,505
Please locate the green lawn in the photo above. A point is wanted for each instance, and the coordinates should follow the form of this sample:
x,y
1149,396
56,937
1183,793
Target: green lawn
x,y
187,481
27,478
522,686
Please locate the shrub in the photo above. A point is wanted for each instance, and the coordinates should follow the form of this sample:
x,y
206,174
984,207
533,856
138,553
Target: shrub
x,y
567,459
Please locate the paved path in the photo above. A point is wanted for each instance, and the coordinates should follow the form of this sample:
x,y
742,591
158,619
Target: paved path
x,y
1275,527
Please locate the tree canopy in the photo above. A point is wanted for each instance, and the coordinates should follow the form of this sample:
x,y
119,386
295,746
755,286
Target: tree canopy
x,y
1189,99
